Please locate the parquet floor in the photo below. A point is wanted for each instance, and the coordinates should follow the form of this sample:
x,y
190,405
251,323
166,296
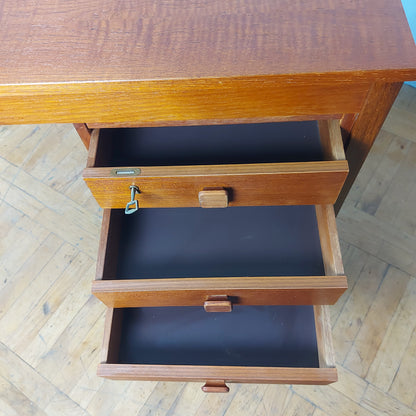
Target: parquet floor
x,y
51,327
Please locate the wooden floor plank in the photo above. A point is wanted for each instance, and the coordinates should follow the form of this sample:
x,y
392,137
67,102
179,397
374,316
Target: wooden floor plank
x,y
188,401
275,401
331,401
36,388
402,122
383,175
390,354
13,287
19,312
107,397
298,406
59,311
350,384
354,261
217,404
372,331
246,401
382,404
404,382
396,207
358,304
17,402
134,398
161,399
68,359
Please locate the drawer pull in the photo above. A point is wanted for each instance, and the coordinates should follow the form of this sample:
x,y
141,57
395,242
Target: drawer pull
x,y
215,386
219,303
133,205
213,198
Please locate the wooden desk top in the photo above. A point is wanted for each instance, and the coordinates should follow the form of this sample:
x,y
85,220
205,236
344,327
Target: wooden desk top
x,y
79,47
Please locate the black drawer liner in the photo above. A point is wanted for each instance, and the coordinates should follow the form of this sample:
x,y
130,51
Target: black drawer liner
x,y
205,145
264,336
234,242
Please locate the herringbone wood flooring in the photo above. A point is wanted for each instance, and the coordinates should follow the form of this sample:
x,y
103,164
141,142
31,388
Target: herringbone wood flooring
x,y
51,327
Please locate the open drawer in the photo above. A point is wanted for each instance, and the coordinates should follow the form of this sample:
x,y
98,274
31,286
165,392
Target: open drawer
x,y
217,258
293,163
252,344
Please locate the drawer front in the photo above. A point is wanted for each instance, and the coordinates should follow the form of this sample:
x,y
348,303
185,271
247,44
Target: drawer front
x,y
295,344
305,182
245,255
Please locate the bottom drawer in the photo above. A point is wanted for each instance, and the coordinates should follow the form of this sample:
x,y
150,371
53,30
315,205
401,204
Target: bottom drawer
x,y
251,344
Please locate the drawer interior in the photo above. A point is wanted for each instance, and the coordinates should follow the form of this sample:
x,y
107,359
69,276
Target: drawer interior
x,y
262,336
253,344
192,242
294,163
206,145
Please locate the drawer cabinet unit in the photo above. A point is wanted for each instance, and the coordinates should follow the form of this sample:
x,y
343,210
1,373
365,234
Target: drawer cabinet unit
x,y
255,344
230,294
293,163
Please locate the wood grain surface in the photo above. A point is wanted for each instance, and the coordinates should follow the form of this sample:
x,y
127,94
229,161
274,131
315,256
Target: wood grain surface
x,y
259,290
104,40
185,101
157,62
302,183
268,375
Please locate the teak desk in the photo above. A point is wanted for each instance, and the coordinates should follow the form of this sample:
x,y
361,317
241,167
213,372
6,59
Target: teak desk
x,y
151,63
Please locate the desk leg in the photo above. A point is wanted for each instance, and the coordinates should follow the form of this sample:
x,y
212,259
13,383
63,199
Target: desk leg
x,y
363,129
84,132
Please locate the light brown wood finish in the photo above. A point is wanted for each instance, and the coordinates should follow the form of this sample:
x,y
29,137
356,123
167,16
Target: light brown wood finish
x,y
303,183
156,40
84,133
213,198
325,374
295,183
259,290
331,140
272,290
281,63
215,386
112,333
183,102
218,303
93,148
365,128
267,375
331,251
324,336
275,119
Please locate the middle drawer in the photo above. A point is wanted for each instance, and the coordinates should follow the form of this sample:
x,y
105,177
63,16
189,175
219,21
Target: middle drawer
x,y
287,255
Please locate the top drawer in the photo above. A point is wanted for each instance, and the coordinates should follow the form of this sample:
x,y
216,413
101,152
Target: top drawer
x,y
294,163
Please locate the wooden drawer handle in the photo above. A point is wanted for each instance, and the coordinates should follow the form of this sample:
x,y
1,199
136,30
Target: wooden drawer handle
x,y
213,198
219,303
215,386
